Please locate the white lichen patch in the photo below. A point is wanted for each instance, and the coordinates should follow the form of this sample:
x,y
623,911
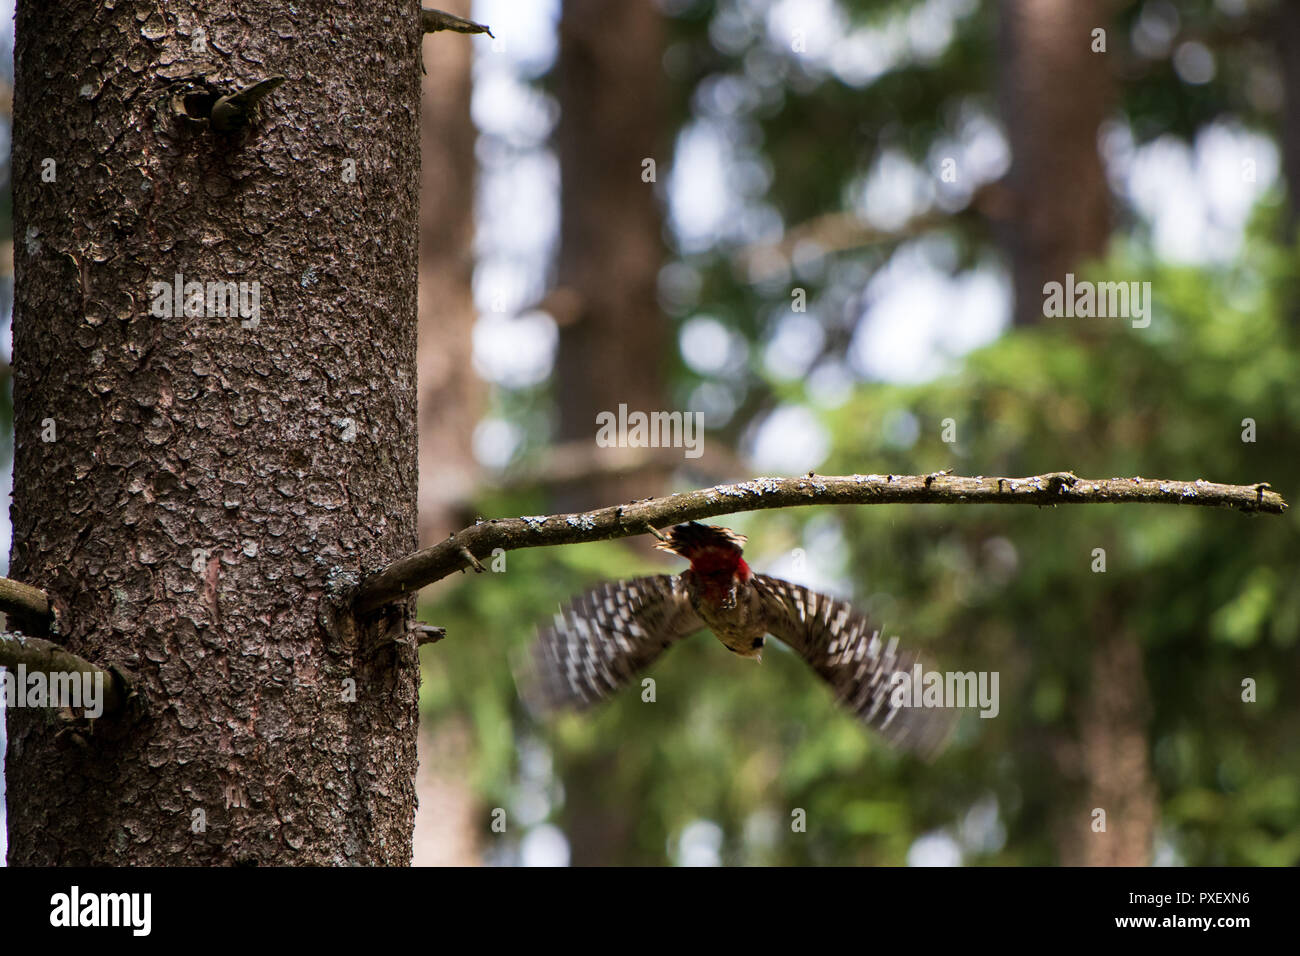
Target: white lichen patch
x,y
733,491
534,521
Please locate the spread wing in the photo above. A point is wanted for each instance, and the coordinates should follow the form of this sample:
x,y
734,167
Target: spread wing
x,y
846,651
602,639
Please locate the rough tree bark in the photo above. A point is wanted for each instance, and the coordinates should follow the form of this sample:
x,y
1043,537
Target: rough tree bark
x,y
213,486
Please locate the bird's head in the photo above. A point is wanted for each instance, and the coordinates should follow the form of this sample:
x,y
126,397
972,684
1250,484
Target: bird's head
x,y
714,552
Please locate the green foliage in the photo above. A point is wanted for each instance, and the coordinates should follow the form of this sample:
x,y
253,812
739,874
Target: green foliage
x,y
1211,597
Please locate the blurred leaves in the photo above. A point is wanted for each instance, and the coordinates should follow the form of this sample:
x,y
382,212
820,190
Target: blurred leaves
x,y
1210,596
1212,599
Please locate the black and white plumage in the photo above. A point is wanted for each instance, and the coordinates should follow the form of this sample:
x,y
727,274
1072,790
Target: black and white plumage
x,y
604,638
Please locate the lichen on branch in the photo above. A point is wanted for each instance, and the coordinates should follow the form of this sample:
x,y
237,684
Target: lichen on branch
x,y
461,550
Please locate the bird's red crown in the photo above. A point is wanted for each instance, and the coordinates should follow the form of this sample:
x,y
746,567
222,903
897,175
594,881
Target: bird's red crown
x,y
712,550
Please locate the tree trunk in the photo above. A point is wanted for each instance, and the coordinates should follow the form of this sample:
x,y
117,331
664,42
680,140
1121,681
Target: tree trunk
x,y
611,249
451,395
215,483
613,350
451,401
1055,92
1288,42
1111,762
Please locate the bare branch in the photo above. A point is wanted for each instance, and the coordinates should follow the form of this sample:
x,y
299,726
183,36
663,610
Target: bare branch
x,y
428,634
27,608
38,655
432,564
431,21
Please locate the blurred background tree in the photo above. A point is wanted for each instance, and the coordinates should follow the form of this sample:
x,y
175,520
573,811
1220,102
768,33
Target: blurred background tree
x,y
863,201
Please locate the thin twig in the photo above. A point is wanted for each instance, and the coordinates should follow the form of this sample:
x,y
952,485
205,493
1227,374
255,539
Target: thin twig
x,y
414,571
27,608
428,634
38,655
431,21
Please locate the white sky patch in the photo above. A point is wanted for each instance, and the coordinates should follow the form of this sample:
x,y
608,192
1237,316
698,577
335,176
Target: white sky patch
x,y
860,56
735,25
1166,852
894,192
495,442
515,351
518,206
900,428
518,222
700,199
863,56
763,829
1154,29
532,805
700,844
830,384
716,401
710,348
930,27
1197,200
934,849
982,830
794,346
544,845
919,318
819,23
790,441
505,105
825,555
527,33
1194,63
979,153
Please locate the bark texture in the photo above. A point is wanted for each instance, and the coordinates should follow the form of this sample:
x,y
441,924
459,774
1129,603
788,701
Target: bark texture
x,y
214,486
